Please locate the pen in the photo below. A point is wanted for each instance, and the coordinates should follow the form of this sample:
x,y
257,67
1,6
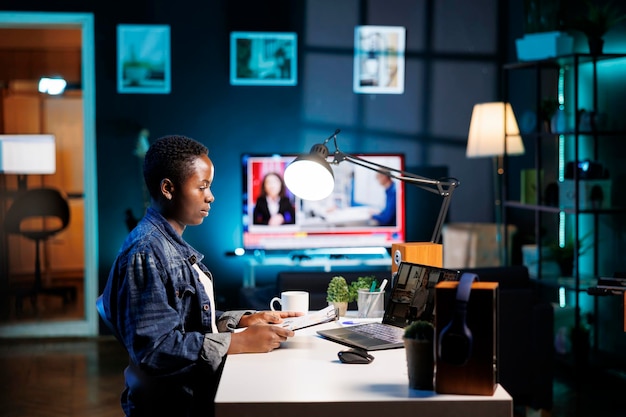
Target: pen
x,y
373,286
383,285
349,322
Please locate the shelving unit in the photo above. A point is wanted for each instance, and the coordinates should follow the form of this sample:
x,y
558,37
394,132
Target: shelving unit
x,y
549,162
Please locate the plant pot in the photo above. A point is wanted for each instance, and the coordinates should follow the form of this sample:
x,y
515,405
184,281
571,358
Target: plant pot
x,y
341,307
596,45
420,361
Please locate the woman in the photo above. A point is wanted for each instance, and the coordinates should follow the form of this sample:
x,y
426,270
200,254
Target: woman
x,y
159,295
273,207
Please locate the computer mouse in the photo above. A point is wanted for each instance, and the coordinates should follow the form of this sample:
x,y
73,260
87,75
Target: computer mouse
x,y
355,356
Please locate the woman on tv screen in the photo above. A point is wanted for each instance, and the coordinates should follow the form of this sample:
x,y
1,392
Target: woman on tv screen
x,y
273,207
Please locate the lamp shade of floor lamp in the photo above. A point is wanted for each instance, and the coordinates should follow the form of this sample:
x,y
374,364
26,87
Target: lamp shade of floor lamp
x,y
493,125
493,128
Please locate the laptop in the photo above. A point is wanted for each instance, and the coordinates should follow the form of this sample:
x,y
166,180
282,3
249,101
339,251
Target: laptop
x,y
412,298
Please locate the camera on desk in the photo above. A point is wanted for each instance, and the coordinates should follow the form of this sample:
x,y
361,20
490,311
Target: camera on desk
x,y
594,190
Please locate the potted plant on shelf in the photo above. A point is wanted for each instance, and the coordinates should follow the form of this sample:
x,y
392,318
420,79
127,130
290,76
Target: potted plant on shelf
x,y
594,22
419,345
338,294
564,255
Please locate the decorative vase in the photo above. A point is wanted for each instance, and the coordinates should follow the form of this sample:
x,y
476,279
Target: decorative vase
x,y
341,307
420,361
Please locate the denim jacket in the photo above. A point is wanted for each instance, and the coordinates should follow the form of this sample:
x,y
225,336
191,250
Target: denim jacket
x,y
161,313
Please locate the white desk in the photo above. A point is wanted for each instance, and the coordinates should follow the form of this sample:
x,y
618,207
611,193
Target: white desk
x,y
304,378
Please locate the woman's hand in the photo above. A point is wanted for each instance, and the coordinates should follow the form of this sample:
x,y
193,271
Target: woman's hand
x,y
258,338
266,317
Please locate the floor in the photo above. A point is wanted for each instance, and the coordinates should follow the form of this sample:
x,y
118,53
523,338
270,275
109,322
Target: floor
x,y
83,377
69,304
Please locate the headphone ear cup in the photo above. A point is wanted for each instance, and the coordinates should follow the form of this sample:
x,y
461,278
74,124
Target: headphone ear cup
x,y
455,339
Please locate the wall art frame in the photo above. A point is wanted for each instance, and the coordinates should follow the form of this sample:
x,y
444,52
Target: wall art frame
x,y
263,58
379,59
143,59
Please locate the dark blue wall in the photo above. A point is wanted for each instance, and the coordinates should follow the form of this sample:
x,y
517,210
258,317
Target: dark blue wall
x,y
455,51
453,59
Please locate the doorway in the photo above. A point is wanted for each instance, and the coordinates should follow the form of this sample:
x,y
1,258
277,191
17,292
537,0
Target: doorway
x,y
87,323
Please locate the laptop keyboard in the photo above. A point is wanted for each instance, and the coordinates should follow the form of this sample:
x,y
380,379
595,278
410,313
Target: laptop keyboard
x,y
381,331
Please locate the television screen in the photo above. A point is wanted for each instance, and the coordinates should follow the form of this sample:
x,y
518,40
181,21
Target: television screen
x,y
366,209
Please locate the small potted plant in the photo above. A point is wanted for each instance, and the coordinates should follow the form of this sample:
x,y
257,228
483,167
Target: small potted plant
x,y
594,22
361,283
369,297
338,294
419,344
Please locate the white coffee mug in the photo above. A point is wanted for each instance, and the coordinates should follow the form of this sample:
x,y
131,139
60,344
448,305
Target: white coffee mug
x,y
292,301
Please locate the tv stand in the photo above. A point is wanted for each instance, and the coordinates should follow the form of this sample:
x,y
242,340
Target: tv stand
x,y
326,259
342,253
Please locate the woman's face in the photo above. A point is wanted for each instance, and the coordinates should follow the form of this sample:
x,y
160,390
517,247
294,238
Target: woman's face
x,y
191,200
272,185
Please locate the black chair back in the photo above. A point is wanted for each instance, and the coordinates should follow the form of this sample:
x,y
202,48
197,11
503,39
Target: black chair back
x,y
38,203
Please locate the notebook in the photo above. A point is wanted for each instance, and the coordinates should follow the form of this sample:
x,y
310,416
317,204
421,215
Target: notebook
x,y
412,298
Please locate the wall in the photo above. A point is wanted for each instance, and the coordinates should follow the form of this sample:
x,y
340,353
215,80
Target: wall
x,y
454,52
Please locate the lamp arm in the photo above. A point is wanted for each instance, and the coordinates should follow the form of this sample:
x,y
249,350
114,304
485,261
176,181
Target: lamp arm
x,y
444,188
437,186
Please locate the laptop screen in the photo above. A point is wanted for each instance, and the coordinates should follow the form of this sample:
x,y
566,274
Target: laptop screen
x,y
413,294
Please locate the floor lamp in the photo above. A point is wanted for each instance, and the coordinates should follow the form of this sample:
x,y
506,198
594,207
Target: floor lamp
x,y
493,128
20,155
24,155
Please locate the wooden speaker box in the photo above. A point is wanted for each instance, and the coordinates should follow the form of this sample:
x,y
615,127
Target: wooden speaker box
x,y
466,361
424,253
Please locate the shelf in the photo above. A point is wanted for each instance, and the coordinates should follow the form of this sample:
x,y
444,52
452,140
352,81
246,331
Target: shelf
x,y
578,140
571,134
563,60
569,283
568,210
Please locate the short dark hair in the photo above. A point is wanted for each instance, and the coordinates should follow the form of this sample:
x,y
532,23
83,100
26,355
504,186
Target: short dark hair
x,y
170,157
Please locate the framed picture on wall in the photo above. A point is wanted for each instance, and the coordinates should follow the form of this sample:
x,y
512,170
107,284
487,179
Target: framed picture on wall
x,y
263,58
143,59
379,59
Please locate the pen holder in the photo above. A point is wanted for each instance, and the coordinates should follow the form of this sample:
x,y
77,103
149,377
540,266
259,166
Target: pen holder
x,y
371,304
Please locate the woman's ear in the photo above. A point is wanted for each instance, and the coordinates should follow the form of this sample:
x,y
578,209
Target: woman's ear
x,y
167,188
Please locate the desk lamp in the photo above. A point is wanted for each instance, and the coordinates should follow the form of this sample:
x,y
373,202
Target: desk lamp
x,y
311,177
492,126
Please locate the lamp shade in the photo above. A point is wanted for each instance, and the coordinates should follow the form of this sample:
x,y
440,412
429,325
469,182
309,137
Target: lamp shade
x,y
487,130
27,154
310,176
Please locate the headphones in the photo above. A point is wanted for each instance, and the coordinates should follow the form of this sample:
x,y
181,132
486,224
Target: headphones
x,y
455,339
